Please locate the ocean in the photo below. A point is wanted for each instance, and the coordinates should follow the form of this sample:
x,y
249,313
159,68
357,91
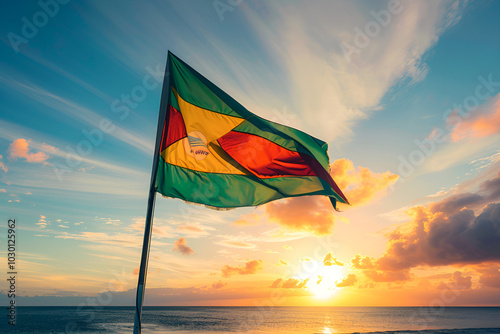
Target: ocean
x,y
215,320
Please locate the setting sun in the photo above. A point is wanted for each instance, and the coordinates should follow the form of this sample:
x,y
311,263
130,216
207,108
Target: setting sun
x,y
322,281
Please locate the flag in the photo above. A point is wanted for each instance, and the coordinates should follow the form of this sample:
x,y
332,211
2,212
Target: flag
x,y
213,151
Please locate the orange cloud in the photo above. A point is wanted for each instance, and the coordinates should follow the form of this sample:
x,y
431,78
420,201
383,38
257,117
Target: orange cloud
x,y
360,185
447,232
314,214
276,283
363,262
251,267
19,149
181,247
480,124
349,280
295,283
310,213
330,260
491,278
388,276
461,282
218,285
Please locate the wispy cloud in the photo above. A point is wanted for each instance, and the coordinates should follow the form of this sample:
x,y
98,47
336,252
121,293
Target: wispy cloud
x,y
250,267
341,93
2,165
75,111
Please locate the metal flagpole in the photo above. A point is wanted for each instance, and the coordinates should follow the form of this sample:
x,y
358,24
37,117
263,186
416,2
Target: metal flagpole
x,y
141,283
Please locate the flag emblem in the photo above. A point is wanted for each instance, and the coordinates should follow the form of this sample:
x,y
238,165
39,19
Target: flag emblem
x,y
195,145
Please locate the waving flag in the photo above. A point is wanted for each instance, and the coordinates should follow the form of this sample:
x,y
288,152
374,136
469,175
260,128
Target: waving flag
x,y
211,150
215,152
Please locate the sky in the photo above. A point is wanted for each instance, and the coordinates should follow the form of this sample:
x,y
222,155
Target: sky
x,y
407,95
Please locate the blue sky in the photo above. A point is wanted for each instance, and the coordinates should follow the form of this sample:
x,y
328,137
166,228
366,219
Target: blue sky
x,y
79,222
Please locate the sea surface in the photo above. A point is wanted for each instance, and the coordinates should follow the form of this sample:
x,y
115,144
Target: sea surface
x,y
215,320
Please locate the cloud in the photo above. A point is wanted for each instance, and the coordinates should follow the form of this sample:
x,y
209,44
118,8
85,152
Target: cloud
x,y
2,165
342,89
194,230
295,283
19,149
3,191
330,260
387,276
480,123
491,278
181,247
440,239
76,111
276,283
121,240
161,228
311,214
469,132
218,285
49,148
136,271
114,222
360,185
461,282
349,280
363,262
42,223
283,263
287,247
251,267
236,241
252,218
447,232
314,214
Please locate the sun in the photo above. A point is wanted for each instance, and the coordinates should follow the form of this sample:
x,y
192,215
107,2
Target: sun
x,y
322,282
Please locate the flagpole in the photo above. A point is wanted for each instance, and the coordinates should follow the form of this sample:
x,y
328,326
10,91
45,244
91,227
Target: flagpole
x,y
141,282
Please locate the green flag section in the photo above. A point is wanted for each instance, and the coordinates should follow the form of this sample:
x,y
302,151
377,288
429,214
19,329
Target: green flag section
x,y
215,152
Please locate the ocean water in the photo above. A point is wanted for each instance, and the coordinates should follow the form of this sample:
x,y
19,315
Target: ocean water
x,y
215,320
